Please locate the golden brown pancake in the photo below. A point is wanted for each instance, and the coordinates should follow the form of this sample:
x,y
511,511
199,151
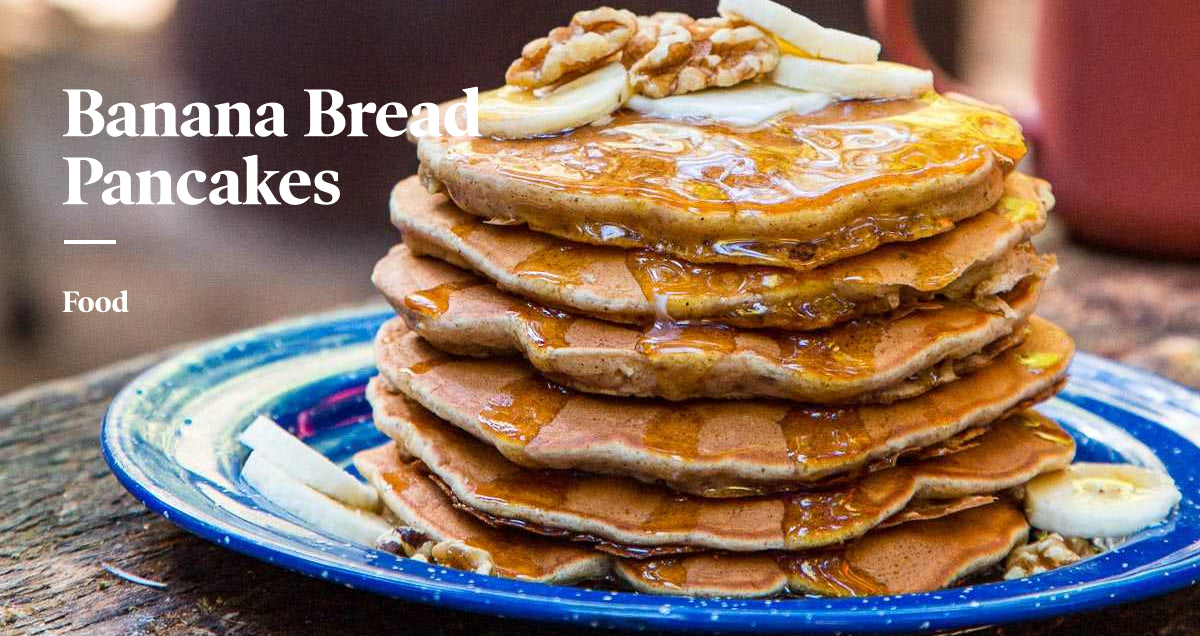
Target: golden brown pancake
x,y
706,447
407,492
798,191
872,359
620,512
918,556
985,255
929,555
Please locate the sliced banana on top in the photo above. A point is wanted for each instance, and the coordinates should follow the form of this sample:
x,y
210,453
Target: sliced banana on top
x,y
878,80
743,105
511,112
801,32
1099,500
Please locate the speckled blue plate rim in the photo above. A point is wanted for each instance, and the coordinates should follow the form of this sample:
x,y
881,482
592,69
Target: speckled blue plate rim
x,y
1130,398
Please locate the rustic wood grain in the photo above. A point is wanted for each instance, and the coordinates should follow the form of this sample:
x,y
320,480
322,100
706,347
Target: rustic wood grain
x,y
62,513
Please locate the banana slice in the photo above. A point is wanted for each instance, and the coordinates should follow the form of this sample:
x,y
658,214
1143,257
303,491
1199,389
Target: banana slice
x,y
743,105
516,113
311,468
879,80
802,33
1099,500
310,506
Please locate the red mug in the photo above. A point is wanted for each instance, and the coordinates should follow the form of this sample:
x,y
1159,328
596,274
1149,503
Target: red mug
x,y
1117,118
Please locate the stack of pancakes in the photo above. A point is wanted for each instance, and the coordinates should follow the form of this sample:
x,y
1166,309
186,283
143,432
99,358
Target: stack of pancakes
x,y
721,361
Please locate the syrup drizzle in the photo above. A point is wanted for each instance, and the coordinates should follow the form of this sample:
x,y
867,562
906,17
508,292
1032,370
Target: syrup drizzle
x,y
674,432
559,264
545,328
790,164
434,302
819,435
828,570
518,410
513,553
825,571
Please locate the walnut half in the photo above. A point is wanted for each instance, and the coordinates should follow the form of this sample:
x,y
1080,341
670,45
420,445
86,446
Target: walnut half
x,y
676,54
1050,552
590,40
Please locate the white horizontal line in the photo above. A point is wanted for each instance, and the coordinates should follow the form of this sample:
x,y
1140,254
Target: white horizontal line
x,y
89,242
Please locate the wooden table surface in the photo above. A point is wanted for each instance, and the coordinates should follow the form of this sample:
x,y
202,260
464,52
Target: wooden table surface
x,y
62,513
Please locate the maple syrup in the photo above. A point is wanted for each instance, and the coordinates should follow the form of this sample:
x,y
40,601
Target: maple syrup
x,y
544,328
827,571
434,302
520,408
558,264
717,176
674,432
667,572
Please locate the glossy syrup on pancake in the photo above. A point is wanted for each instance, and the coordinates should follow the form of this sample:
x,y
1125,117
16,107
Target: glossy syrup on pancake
x,y
741,446
408,493
797,191
914,557
435,301
622,511
421,508
983,255
871,359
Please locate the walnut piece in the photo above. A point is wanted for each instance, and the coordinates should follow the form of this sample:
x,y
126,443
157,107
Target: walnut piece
x,y
676,54
588,42
649,29
1048,553
406,541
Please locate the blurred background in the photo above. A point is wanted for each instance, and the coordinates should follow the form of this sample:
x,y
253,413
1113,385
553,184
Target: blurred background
x,y
195,272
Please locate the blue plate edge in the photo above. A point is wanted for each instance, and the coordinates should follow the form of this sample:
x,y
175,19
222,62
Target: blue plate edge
x,y
482,600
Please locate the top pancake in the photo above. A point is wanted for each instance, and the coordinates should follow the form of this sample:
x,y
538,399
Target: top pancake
x,y
986,254
797,191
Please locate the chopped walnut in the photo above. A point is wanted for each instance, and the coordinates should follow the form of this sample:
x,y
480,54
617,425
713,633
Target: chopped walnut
x,y
1048,553
460,556
406,541
650,28
589,41
689,55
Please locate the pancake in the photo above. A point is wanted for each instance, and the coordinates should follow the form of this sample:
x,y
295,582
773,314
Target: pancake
x,y
798,191
919,556
985,255
930,555
701,447
409,494
629,516
873,359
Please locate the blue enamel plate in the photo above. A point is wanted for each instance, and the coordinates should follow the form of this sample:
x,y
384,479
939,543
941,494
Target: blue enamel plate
x,y
170,438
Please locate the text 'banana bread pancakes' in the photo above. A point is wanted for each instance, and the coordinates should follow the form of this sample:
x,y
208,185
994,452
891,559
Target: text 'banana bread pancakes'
x,y
661,343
